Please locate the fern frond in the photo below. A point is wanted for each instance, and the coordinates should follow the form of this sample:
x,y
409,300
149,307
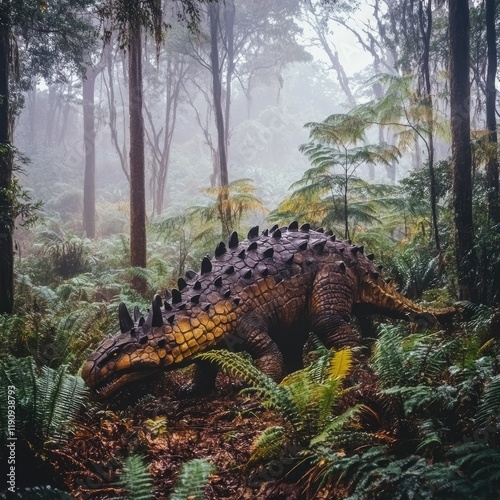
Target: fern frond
x,y
136,479
490,403
192,480
341,364
235,364
336,425
268,444
46,402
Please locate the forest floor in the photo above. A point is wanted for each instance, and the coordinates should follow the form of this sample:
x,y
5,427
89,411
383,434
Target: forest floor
x,y
168,431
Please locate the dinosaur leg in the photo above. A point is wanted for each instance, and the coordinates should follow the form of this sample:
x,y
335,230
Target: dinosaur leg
x,y
330,309
203,382
253,337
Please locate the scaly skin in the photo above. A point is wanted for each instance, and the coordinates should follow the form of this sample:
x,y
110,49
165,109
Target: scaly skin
x,y
262,295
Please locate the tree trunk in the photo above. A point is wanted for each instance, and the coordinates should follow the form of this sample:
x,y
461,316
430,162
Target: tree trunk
x,y
137,181
213,11
229,12
223,181
491,122
425,22
89,151
6,222
461,146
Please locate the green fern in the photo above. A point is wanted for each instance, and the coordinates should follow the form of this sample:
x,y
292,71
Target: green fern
x,y
378,476
304,399
268,444
47,401
136,479
405,361
489,406
192,480
480,466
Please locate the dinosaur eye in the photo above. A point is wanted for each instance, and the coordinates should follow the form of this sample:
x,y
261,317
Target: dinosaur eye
x,y
112,355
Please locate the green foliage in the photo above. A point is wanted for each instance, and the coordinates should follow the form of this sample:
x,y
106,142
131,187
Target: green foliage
x,y
403,110
192,480
231,205
489,407
479,465
330,191
407,361
305,399
269,444
377,475
46,401
415,268
136,479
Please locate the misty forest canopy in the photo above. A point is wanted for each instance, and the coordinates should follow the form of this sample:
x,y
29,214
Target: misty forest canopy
x,y
173,124
135,136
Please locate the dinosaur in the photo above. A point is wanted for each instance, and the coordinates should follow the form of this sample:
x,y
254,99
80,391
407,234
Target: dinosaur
x,y
262,295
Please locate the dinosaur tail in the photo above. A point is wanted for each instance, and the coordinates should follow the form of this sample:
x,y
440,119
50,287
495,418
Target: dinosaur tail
x,y
381,297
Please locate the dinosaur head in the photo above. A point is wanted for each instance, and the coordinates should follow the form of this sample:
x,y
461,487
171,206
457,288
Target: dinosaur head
x,y
164,340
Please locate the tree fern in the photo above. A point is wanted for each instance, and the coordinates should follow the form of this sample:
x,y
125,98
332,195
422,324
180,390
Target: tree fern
x,y
192,480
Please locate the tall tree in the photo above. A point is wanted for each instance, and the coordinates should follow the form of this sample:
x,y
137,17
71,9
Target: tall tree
x,y
137,168
425,27
213,16
6,222
61,35
88,92
491,122
461,145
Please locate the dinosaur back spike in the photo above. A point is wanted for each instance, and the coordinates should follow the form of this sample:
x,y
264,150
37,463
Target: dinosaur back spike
x,y
220,249
253,233
137,313
233,240
206,265
190,274
176,296
126,323
181,283
157,319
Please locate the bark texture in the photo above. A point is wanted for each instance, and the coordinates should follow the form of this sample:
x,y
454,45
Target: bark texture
x,y
461,146
491,122
6,215
137,170
89,152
